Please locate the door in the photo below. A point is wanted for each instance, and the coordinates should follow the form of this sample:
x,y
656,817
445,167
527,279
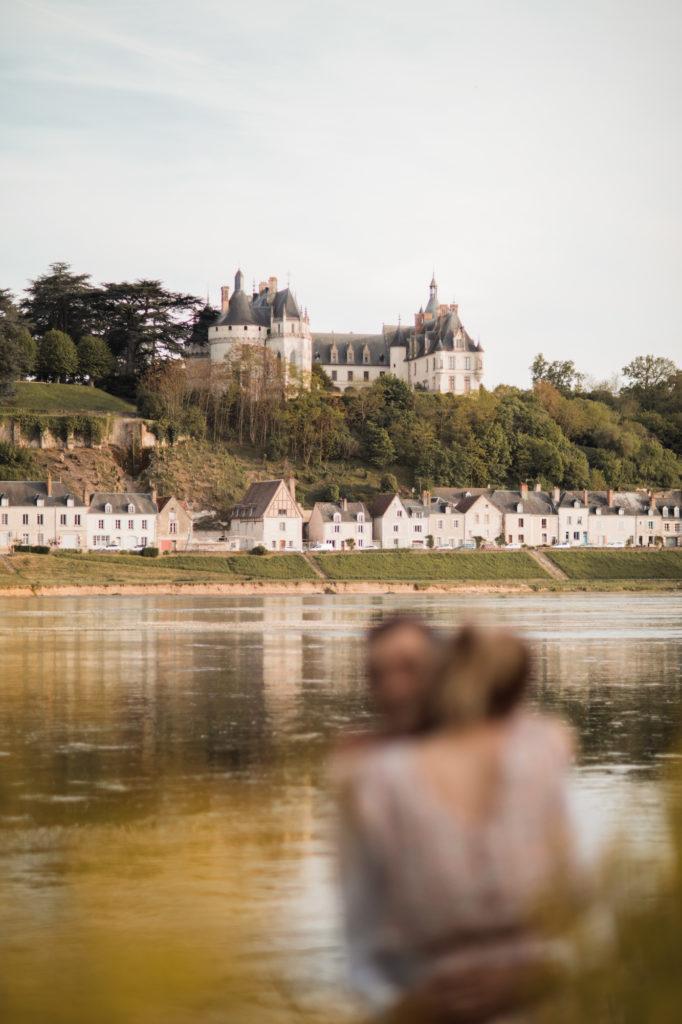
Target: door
x,y
69,540
282,545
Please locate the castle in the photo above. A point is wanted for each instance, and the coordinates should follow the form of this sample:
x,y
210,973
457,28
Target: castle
x,y
435,354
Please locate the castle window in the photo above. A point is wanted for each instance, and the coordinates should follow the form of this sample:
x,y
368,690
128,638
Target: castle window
x,y
451,362
467,362
350,375
451,383
366,375
467,384
334,374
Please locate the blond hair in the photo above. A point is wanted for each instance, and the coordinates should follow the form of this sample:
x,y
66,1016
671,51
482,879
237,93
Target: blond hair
x,y
484,674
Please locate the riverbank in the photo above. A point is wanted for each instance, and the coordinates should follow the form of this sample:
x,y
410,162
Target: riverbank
x,y
70,573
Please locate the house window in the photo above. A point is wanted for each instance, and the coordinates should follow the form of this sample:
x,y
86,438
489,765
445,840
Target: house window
x,y
100,524
361,528
650,525
399,513
467,362
520,522
440,524
173,527
274,544
366,375
576,535
40,519
334,374
144,524
521,540
282,526
467,384
5,519
451,383
25,539
395,528
24,519
131,524
62,519
337,528
543,524
117,524
451,363
77,519
417,528
544,538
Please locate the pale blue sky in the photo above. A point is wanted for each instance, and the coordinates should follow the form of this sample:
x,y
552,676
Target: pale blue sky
x,y
529,150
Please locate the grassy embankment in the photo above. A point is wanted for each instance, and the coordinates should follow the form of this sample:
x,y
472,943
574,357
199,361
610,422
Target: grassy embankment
x,y
66,569
431,566
52,399
619,565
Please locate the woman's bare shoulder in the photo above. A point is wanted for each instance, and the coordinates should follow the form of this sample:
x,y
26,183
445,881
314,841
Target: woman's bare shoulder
x,y
552,731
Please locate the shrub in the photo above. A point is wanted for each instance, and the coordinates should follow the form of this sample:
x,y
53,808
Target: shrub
x,y
259,549
389,482
33,549
150,552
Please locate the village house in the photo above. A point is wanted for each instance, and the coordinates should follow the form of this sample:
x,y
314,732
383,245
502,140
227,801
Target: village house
x,y
345,525
267,515
124,520
391,526
530,517
35,512
173,525
658,520
446,523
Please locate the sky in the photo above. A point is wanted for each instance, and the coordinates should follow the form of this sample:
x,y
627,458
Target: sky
x,y
527,151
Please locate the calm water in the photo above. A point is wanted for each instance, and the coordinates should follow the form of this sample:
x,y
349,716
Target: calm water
x,y
162,770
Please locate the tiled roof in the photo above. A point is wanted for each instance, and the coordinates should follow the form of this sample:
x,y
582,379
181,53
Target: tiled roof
x,y
380,503
120,500
349,514
374,344
25,492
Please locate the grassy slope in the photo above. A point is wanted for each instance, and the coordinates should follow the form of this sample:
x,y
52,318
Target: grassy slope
x,y
412,565
70,569
619,565
53,399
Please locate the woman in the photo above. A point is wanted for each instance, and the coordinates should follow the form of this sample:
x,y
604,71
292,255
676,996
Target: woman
x,y
450,840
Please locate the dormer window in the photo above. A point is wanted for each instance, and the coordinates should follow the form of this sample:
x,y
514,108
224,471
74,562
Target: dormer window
x,y
334,354
365,355
652,510
519,507
621,511
131,508
4,501
597,511
361,517
40,502
350,354
69,502
664,510
676,511
108,507
337,517
576,504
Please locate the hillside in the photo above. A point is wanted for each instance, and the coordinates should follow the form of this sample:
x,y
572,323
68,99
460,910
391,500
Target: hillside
x,y
34,396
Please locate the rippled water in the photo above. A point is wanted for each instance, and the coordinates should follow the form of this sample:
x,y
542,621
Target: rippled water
x,y
162,758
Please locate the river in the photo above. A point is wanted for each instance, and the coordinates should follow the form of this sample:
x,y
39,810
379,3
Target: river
x,y
163,795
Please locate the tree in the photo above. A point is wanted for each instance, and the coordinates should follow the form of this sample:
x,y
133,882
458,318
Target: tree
x,y
16,463
57,357
380,448
61,300
561,373
143,322
388,483
18,348
649,373
95,360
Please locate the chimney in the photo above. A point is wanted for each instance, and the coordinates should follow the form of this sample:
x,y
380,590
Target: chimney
x,y
556,495
524,490
224,298
291,487
609,498
344,504
154,493
48,485
272,285
426,498
585,498
538,486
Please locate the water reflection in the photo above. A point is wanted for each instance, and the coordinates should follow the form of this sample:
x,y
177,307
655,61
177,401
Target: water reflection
x,y
203,723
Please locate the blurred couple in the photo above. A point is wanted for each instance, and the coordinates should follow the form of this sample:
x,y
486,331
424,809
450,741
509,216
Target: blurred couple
x,y
454,826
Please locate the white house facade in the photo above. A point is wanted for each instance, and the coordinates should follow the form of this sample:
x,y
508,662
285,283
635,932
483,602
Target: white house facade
x,y
343,526
42,513
122,520
391,526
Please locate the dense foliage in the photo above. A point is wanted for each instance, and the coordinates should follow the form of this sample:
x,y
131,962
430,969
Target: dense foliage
x,y
569,438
